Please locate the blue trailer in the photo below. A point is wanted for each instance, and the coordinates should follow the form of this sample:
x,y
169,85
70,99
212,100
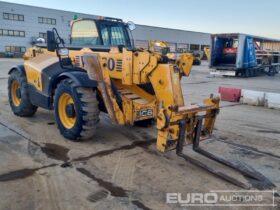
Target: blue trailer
x,y
244,55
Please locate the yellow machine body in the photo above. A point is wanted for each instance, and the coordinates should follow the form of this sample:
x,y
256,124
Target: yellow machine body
x,y
166,105
125,71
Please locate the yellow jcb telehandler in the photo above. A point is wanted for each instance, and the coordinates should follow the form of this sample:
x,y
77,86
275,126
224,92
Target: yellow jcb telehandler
x,y
102,71
207,52
163,48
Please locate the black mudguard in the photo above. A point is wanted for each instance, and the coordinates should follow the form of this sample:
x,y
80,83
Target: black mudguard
x,y
80,79
51,76
18,68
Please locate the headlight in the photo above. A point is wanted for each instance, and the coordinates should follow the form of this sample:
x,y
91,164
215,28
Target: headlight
x,y
63,52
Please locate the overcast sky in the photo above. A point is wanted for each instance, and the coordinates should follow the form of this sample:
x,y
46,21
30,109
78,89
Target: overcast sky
x,y
257,17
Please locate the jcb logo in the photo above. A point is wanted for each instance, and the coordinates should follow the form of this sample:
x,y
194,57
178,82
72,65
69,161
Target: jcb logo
x,y
144,113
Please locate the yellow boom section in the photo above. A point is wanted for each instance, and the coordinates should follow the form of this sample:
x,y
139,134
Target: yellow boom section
x,y
167,102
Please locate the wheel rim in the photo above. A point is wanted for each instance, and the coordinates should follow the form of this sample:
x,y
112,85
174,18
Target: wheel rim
x,y
68,121
15,87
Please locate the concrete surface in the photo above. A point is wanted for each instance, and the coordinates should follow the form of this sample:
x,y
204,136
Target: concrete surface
x,y
39,169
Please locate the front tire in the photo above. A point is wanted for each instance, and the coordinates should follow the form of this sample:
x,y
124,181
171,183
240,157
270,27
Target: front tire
x,y
19,96
76,111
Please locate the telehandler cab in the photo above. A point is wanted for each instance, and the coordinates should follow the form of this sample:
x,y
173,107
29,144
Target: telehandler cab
x,y
102,71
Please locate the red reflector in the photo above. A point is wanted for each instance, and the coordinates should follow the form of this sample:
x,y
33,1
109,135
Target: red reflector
x,y
230,50
230,94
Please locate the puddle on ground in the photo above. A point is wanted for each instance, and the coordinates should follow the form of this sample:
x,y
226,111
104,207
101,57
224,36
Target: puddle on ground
x,y
55,151
268,131
66,165
21,174
114,190
143,144
140,205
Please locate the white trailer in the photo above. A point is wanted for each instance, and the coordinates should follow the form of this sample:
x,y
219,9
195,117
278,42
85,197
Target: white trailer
x,y
244,55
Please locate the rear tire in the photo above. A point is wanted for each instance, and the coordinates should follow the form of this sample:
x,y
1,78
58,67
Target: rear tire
x,y
76,111
19,96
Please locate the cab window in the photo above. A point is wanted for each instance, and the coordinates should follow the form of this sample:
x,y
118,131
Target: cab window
x,y
85,33
105,36
118,37
113,34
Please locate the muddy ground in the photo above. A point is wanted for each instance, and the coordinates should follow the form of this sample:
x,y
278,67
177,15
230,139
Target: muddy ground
x,y
120,168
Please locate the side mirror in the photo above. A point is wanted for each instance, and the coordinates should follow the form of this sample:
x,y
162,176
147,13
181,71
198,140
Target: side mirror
x,y
51,42
131,25
40,41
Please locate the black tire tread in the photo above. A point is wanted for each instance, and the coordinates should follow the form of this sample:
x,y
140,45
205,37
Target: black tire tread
x,y
26,108
91,111
88,107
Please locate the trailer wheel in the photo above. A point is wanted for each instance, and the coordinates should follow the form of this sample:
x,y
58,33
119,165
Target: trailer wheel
x,y
19,96
272,71
251,73
254,72
76,111
246,73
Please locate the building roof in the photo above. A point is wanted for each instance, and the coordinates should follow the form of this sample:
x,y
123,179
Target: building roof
x,y
173,29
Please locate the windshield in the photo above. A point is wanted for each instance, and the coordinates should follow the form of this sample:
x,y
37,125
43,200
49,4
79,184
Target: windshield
x,y
85,33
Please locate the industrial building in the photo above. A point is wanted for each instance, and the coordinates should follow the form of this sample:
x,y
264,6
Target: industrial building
x,y
21,25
